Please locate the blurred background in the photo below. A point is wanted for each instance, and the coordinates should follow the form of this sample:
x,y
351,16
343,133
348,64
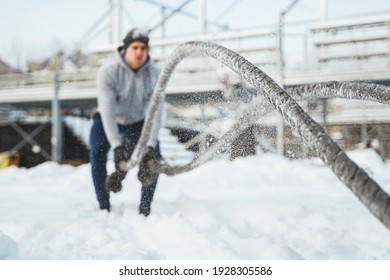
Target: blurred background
x,y
50,52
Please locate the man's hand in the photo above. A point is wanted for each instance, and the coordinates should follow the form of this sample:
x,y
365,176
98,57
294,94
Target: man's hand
x,y
114,181
121,154
146,175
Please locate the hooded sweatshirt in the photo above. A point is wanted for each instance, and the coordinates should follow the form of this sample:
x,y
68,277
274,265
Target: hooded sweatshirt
x,y
124,95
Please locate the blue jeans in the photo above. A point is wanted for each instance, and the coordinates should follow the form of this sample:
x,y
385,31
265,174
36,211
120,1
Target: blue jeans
x,y
99,148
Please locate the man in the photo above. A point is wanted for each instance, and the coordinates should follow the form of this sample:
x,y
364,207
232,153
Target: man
x,y
125,85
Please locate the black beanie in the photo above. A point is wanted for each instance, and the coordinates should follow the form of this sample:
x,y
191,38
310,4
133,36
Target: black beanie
x,y
136,35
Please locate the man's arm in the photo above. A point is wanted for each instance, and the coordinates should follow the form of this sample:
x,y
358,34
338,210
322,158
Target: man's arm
x,y
107,107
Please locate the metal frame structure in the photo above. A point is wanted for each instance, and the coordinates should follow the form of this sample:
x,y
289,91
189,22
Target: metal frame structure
x,y
194,76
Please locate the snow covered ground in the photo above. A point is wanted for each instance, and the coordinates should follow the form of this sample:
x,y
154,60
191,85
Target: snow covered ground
x,y
260,207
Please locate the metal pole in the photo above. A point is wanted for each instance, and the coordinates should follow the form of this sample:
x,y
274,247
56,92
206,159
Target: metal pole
x,y
324,11
110,41
325,112
280,43
202,16
388,40
163,29
364,130
56,122
323,19
323,15
163,25
119,21
280,126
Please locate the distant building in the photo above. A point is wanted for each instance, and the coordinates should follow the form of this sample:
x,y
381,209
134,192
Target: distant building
x,y
5,68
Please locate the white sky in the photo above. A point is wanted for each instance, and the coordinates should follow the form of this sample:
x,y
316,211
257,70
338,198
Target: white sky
x,y
33,29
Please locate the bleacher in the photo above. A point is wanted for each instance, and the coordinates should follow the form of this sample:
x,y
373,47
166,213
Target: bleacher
x,y
344,50
352,39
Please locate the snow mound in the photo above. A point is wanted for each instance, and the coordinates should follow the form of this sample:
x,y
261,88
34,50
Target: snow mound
x,y
8,247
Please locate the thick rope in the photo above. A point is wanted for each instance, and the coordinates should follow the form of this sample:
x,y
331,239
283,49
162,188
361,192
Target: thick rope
x,y
347,90
355,178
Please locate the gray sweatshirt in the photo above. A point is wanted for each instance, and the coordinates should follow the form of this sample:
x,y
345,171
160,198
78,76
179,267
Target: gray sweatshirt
x,y
124,95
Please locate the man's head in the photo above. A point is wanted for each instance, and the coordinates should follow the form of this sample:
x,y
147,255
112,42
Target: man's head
x,y
136,48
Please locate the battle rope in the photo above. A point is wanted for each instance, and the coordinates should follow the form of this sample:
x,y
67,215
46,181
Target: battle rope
x,y
347,90
355,178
